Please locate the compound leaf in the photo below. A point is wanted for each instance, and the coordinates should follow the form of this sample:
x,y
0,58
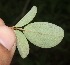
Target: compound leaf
x,y
44,34
28,17
22,44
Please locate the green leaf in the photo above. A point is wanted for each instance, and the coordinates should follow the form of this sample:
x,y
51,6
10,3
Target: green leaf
x,y
28,17
44,34
22,44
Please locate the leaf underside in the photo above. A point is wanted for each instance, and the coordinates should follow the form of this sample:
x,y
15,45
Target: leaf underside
x,y
44,34
22,44
28,17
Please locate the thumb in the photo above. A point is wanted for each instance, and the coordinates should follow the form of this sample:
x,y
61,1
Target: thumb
x,y
7,44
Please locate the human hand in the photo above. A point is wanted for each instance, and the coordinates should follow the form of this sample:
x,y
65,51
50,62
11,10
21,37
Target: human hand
x,y
7,44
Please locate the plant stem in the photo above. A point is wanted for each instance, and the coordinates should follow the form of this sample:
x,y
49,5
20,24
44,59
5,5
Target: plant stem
x,y
17,28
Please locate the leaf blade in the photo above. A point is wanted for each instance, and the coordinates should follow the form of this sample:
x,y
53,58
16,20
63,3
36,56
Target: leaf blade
x,y
44,34
22,44
28,17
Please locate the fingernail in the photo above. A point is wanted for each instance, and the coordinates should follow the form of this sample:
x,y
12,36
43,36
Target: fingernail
x,y
6,44
7,37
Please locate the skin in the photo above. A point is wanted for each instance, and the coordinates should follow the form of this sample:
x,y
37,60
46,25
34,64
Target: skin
x,y
5,54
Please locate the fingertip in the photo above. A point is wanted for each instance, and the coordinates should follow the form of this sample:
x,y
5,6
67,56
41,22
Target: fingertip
x,y
1,22
7,37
